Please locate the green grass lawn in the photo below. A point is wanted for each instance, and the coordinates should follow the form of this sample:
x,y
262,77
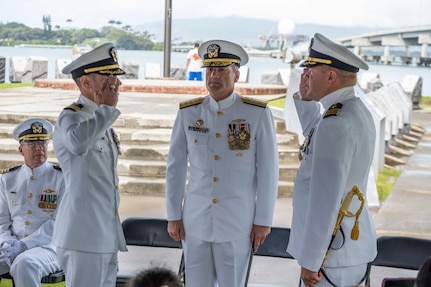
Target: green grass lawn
x,y
15,85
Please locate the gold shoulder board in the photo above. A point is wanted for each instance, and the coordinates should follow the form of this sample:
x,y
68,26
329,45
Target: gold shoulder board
x,y
333,110
254,102
74,107
6,170
192,102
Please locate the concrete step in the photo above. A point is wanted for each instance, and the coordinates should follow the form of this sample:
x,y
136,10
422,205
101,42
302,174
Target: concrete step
x,y
288,154
157,169
141,151
157,187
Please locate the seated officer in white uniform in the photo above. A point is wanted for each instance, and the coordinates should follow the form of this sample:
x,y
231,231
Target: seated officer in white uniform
x,y
227,208
29,198
336,156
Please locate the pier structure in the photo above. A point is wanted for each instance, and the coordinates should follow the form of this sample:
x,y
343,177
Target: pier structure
x,y
407,37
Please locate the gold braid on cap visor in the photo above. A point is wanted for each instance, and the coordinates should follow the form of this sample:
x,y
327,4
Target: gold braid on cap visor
x,y
222,62
34,137
102,69
313,61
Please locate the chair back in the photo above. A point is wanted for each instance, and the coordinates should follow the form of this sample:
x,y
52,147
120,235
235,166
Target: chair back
x,y
275,243
142,231
402,252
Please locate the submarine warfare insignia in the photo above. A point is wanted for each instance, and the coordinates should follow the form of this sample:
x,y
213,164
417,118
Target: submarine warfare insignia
x,y
198,127
239,135
304,149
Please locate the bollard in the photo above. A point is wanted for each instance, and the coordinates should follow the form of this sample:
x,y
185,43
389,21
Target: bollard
x,y
131,69
2,69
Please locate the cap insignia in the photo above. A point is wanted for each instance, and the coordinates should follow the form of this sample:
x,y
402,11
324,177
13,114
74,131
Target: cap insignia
x,y
113,53
311,44
213,51
37,128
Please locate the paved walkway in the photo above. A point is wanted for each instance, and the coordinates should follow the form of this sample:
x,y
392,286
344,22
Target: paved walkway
x,y
405,212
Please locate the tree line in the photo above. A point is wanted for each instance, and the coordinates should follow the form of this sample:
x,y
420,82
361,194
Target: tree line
x,y
13,33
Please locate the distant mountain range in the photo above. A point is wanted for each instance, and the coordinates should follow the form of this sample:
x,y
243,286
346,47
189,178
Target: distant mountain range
x,y
245,31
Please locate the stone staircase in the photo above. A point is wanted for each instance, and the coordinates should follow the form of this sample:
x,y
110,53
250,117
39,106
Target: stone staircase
x,y
145,146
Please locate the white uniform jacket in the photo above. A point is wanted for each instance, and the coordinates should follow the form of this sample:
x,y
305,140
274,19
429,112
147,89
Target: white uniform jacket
x,y
232,184
29,200
87,150
338,157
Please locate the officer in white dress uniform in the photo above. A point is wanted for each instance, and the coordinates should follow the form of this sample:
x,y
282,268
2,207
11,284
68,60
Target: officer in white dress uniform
x,y
336,155
88,231
229,142
29,198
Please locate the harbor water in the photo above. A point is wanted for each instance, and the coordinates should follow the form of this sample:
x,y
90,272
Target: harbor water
x,y
256,66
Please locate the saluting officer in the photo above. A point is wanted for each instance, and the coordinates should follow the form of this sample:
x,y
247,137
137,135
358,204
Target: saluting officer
x,y
88,231
229,141
336,156
29,199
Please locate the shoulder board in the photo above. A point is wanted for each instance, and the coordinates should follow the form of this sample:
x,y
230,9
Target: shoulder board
x,y
74,107
333,110
57,167
254,102
192,102
6,170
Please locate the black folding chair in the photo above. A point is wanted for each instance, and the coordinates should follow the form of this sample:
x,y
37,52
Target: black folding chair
x,y
275,245
401,252
150,232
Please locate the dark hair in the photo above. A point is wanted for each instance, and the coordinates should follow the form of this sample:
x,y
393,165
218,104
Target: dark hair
x,y
155,277
423,279
196,45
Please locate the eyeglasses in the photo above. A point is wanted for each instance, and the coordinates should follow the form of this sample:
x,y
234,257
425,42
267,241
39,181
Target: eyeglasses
x,y
33,144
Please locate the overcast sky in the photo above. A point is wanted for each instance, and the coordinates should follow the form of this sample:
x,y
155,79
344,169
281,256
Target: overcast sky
x,y
95,14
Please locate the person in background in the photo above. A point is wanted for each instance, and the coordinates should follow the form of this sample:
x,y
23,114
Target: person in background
x,y
88,232
336,156
29,198
155,277
194,64
226,210
423,278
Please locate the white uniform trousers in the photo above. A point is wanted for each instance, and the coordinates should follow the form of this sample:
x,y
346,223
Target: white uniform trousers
x,y
210,264
29,267
344,276
88,269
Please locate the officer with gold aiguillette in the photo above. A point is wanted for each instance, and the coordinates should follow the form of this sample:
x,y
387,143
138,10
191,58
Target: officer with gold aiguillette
x,y
336,159
29,198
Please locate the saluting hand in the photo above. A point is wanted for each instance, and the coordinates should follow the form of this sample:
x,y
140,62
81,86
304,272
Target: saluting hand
x,y
108,92
303,85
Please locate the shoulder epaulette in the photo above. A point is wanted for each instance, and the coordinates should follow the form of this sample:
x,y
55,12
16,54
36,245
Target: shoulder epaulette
x,y
57,167
192,102
333,110
254,102
6,170
74,107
